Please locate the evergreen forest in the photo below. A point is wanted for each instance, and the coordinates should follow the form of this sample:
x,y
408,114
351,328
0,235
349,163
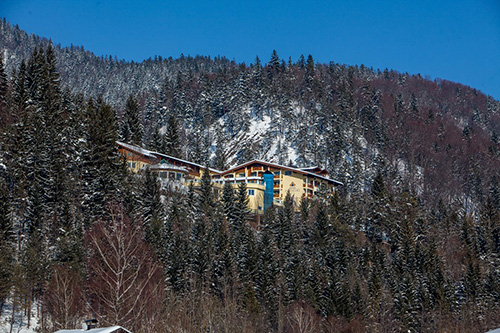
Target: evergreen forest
x,y
411,242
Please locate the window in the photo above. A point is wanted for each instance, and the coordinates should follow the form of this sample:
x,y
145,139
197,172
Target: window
x,y
128,164
276,173
253,174
129,154
276,183
276,192
133,164
241,175
292,184
179,175
251,192
288,173
260,208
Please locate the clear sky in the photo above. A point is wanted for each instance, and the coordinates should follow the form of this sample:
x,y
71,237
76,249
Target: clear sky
x,y
456,40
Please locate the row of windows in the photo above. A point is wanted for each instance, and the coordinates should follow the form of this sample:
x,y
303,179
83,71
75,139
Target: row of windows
x,y
276,173
131,164
171,175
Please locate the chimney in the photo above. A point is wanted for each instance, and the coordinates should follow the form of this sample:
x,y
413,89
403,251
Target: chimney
x,y
89,324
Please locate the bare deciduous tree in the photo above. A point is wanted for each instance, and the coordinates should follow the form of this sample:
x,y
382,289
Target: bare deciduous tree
x,y
124,279
302,318
64,300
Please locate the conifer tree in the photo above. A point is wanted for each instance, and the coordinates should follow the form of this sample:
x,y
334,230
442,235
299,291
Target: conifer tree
x,y
220,162
104,166
229,203
19,90
378,186
131,125
172,145
221,263
268,269
242,211
151,197
157,142
284,235
7,245
4,116
206,198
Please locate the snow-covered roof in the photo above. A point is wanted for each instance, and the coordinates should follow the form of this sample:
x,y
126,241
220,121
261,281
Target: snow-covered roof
x,y
153,154
96,330
314,168
159,155
494,331
167,166
137,149
274,165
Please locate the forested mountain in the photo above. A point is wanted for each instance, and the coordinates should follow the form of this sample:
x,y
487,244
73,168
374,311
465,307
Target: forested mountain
x,y
410,243
437,137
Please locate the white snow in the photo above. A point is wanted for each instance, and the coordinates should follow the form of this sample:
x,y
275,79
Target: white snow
x,y
20,320
259,126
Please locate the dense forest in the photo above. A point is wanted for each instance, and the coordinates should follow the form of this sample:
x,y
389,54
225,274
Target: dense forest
x,y
410,243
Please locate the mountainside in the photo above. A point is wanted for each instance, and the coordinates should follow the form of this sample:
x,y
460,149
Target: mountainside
x,y
437,138
410,243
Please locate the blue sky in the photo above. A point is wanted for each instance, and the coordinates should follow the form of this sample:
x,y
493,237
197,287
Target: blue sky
x,y
454,40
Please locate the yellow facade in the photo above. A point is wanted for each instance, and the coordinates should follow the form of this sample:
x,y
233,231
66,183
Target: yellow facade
x,y
136,165
255,194
300,183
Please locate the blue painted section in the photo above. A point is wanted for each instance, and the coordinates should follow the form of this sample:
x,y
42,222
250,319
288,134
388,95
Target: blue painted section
x,y
268,192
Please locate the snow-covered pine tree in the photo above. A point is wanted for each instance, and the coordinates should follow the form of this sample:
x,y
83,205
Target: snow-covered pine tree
x,y
104,166
5,118
172,144
132,130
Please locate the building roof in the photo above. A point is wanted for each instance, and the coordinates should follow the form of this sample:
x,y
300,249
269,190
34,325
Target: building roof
x,y
163,165
309,171
137,149
278,166
315,169
96,330
163,156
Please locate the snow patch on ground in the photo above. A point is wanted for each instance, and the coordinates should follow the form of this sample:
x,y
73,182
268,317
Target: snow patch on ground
x,y
292,154
20,321
259,126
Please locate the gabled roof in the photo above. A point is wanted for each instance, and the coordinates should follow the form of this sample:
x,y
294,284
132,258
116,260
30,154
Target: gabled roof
x,y
96,330
163,156
306,171
278,166
315,169
137,149
156,155
163,165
